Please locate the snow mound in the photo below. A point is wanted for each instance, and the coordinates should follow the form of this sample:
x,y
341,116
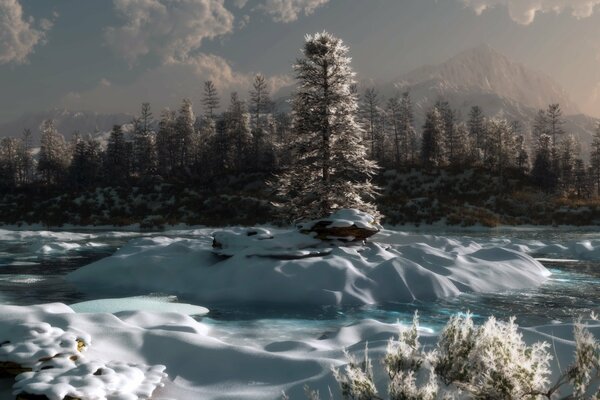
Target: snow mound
x,y
261,242
92,380
151,304
322,274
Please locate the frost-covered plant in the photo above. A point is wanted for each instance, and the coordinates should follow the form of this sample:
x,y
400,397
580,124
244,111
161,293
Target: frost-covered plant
x,y
403,361
490,361
454,346
587,361
503,366
356,381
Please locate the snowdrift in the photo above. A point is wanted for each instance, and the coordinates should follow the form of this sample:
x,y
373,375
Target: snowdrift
x,y
287,267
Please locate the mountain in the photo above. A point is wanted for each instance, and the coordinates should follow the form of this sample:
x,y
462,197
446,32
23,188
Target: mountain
x,y
67,122
501,87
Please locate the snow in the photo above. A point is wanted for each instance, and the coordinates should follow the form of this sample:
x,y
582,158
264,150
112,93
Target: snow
x,y
154,304
295,269
200,365
92,380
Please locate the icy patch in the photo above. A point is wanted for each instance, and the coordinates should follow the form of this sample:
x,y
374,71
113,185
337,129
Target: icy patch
x,y
153,304
423,268
92,380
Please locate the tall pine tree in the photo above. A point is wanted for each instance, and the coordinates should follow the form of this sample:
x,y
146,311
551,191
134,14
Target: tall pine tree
x,y
331,169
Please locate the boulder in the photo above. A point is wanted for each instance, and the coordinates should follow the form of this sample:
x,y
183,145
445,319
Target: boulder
x,y
347,225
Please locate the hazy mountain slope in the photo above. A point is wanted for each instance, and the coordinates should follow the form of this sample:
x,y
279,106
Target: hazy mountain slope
x,y
66,121
503,88
484,70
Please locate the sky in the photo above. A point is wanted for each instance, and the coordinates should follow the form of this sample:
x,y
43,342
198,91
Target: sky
x,y
112,55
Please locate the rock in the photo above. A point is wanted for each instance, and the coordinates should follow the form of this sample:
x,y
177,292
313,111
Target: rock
x,y
348,225
325,231
27,396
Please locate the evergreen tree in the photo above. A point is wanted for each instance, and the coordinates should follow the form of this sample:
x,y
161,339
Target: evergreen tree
x,y
522,161
476,125
542,172
595,160
53,159
453,147
330,169
144,151
166,143
580,178
9,162
185,137
569,152
540,126
554,122
370,114
26,158
408,134
394,112
432,144
260,101
210,100
239,132
116,160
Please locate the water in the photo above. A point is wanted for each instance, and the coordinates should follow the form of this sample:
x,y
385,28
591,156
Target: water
x,y
33,266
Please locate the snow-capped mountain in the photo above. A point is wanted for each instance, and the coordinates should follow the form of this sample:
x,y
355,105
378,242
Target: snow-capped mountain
x,y
501,87
67,122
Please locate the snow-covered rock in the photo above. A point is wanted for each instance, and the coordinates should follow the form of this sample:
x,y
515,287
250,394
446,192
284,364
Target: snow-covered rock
x,y
345,224
92,380
25,346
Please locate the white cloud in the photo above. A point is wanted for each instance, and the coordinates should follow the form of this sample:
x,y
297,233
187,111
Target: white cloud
x,y
167,84
19,35
290,10
170,29
525,11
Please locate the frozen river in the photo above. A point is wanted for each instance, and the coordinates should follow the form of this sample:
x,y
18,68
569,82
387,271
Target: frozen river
x,y
33,266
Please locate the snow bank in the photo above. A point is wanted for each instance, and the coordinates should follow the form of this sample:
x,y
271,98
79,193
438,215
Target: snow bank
x,y
296,269
200,365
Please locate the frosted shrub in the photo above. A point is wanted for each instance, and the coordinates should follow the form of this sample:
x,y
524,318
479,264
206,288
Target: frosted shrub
x,y
454,347
356,381
501,366
403,361
587,361
490,361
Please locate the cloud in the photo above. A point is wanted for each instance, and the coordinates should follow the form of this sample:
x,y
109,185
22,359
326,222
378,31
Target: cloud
x,y
19,35
169,29
167,84
290,10
525,11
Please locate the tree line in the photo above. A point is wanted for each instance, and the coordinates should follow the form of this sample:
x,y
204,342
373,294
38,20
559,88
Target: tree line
x,y
253,136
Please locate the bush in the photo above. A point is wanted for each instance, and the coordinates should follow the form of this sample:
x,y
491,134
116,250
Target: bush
x,y
490,361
